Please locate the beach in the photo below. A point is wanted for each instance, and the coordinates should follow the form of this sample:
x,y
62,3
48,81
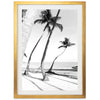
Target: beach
x,y
63,78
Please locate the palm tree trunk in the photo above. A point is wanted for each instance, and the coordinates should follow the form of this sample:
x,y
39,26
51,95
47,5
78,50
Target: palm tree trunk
x,y
46,47
50,70
27,68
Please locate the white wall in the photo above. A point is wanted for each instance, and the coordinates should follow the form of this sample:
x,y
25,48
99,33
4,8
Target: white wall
x,y
92,48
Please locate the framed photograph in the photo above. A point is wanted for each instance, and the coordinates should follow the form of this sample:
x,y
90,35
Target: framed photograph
x,y
49,49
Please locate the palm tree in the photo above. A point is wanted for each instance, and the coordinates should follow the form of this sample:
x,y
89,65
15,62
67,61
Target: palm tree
x,y
46,17
43,20
52,22
28,64
66,43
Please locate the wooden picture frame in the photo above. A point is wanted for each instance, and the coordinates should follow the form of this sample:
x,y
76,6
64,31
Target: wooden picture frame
x,y
82,76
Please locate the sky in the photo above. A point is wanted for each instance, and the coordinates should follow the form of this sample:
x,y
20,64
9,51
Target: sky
x,y
69,22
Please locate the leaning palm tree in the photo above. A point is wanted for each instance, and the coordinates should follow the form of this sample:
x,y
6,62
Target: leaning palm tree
x,y
28,64
50,21
53,23
66,43
46,17
43,20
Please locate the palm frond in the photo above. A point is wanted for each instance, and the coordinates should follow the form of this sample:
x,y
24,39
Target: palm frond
x,y
66,41
53,18
59,26
49,13
62,46
71,44
46,14
38,21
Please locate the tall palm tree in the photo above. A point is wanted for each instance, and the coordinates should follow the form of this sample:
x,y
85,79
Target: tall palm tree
x,y
46,17
66,43
43,20
52,22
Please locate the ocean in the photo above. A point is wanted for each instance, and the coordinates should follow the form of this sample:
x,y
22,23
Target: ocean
x,y
67,69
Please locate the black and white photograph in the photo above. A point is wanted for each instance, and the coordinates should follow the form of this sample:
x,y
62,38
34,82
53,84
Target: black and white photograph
x,y
49,50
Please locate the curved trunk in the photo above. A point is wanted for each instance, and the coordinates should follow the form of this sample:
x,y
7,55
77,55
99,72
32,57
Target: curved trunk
x,y
54,61
45,50
27,68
